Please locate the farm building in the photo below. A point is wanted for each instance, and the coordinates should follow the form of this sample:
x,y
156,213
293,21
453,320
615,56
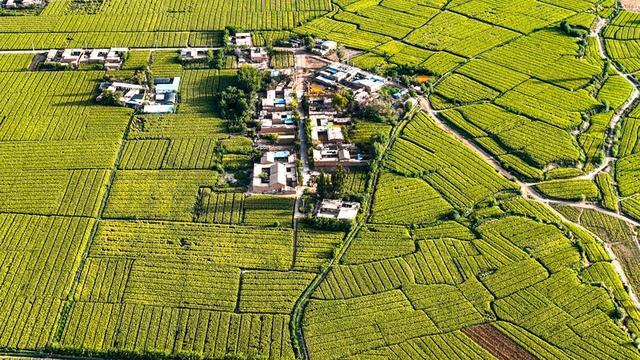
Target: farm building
x,y
277,101
241,40
337,209
111,59
133,95
275,173
277,123
324,130
23,4
331,155
323,48
162,99
167,85
192,54
352,77
253,56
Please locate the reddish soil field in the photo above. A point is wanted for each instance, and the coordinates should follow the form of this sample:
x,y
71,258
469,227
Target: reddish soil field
x,y
498,344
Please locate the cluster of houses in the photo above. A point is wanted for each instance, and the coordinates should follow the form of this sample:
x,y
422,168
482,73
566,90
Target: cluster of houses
x,y
110,59
248,54
339,75
276,118
23,4
193,54
161,98
245,52
276,171
330,148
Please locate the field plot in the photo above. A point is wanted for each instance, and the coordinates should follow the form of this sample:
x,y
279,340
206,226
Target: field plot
x,y
150,194
453,171
628,166
623,40
400,200
315,247
37,275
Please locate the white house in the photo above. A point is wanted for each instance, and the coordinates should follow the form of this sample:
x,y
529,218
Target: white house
x,y
338,209
323,48
241,40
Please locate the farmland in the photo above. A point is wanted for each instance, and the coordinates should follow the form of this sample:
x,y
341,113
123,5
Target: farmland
x,y
398,298
497,221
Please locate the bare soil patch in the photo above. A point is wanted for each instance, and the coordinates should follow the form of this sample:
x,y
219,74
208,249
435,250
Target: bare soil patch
x,y
497,343
631,5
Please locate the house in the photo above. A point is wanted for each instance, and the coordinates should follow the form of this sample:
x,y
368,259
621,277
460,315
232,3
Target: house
x,y
24,4
162,99
167,85
337,209
241,40
268,127
133,95
323,48
327,134
258,55
193,54
111,58
286,139
277,101
321,105
277,122
71,57
158,109
275,173
323,130
331,155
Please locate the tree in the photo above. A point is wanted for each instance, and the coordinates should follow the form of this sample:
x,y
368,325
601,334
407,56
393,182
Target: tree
x,y
109,97
338,179
250,79
218,61
340,53
376,110
309,42
236,107
340,101
321,188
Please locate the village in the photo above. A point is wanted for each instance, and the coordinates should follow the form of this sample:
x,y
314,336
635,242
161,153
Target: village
x,y
302,134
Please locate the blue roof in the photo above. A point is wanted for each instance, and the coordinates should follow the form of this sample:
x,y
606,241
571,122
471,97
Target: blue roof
x,y
281,154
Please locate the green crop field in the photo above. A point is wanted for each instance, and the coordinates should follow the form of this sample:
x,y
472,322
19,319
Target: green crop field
x,y
499,212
